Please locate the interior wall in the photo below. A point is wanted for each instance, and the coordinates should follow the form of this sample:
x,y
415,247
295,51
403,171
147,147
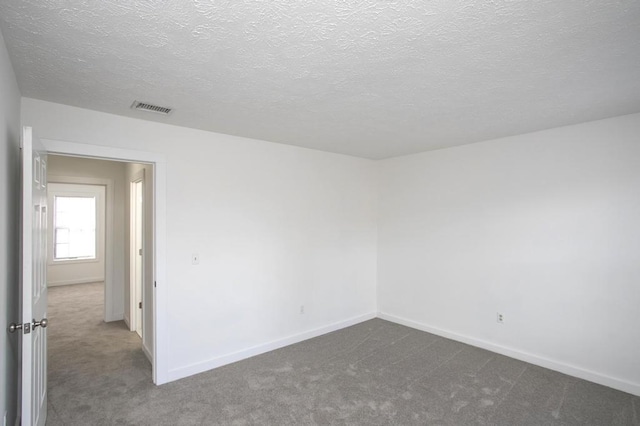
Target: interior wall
x,y
9,234
66,272
539,227
542,228
131,170
85,168
276,227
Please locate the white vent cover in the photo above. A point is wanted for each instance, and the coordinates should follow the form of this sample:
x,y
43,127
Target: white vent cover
x,y
142,106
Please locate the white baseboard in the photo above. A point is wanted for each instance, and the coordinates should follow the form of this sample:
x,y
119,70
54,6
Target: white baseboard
x,y
210,364
147,352
126,321
592,376
76,281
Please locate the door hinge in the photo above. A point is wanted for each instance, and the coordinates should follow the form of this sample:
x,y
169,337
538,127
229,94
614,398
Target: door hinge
x,y
140,305
154,284
140,252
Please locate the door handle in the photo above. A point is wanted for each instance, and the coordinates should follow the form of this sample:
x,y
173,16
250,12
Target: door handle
x,y
42,323
13,327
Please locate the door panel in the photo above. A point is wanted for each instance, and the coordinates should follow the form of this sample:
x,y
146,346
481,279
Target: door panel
x,y
34,281
139,256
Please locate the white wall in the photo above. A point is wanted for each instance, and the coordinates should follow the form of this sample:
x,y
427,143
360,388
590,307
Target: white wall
x,y
275,226
9,220
542,227
65,272
132,169
85,170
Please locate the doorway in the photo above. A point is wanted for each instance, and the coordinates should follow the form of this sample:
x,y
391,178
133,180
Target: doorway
x,y
84,344
157,324
117,265
79,253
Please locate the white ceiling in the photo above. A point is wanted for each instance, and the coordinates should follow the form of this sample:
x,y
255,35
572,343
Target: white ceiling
x,y
368,78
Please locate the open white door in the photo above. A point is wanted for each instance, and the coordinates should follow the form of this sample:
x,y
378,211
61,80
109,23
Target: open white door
x,y
139,263
34,281
137,252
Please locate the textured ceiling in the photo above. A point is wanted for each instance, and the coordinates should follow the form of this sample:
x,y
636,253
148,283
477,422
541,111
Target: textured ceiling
x,y
367,78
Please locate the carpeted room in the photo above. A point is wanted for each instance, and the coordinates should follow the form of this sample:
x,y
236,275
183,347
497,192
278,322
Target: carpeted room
x,y
473,160
373,373
362,374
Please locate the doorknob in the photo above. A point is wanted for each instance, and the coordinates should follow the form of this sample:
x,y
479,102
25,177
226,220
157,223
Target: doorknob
x,y
13,327
42,323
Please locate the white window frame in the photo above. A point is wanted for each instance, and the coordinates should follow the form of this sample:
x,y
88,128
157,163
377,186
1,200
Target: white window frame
x,y
78,190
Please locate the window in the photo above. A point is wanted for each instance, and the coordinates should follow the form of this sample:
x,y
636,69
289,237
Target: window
x,y
74,232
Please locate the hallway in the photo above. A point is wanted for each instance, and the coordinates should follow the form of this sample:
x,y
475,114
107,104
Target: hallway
x,y
84,353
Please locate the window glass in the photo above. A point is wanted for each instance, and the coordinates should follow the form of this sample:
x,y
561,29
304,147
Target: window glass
x,y
74,228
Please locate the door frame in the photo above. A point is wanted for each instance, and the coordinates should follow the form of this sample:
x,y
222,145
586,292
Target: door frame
x,y
160,355
109,265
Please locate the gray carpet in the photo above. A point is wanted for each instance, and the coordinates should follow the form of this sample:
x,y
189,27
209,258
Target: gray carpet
x,y
374,373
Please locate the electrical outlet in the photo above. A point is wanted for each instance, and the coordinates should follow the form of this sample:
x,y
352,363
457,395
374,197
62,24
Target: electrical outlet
x,y
195,259
301,309
500,318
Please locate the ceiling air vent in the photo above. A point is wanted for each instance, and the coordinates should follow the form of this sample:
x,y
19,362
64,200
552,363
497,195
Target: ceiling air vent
x,y
141,106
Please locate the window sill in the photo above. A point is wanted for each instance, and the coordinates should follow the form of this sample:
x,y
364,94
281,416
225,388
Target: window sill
x,y
72,261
